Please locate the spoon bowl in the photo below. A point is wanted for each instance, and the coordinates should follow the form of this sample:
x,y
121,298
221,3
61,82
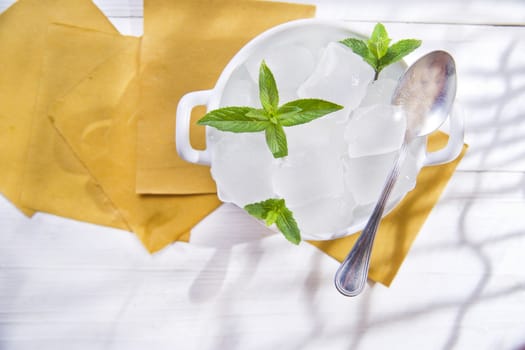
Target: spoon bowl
x,y
425,94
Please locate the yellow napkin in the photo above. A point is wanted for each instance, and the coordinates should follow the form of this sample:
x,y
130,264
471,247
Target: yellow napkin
x,y
23,30
97,118
401,226
186,45
55,181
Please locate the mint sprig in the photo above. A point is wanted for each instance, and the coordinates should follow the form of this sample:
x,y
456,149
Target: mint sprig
x,y
376,50
271,118
275,211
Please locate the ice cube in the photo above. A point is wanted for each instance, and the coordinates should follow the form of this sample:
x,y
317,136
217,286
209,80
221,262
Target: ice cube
x,y
242,168
340,76
290,64
240,93
379,92
240,90
325,216
375,129
307,177
393,71
366,176
325,133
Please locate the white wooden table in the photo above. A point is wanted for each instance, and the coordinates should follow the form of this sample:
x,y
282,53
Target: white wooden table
x,y
71,285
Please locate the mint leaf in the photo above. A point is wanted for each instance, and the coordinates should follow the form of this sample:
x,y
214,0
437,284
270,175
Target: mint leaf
x,y
379,41
360,48
259,114
268,89
288,226
287,111
376,50
399,50
271,218
276,140
306,111
260,210
275,211
234,119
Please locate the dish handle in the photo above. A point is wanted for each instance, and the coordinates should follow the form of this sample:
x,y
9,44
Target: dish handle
x,y
455,140
182,127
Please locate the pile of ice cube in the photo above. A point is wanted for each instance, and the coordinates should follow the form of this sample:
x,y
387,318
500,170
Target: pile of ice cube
x,y
337,165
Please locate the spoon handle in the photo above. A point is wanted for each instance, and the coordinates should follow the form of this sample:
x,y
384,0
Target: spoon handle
x,y
351,276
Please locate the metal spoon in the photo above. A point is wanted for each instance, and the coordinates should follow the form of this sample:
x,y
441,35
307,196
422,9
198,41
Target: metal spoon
x,y
425,93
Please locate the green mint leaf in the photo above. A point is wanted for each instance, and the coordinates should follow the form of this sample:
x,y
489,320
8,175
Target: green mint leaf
x,y
288,226
266,210
360,48
399,50
275,211
271,218
260,210
258,114
276,140
307,110
233,119
286,111
379,41
268,93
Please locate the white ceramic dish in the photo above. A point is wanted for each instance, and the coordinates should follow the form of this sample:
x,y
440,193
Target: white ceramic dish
x,y
212,100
